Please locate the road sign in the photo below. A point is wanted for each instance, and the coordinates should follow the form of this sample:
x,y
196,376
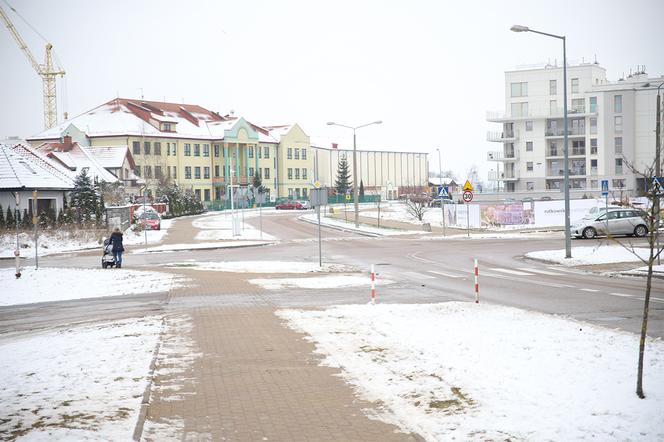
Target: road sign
x,y
467,196
468,187
656,183
317,184
348,197
318,197
442,192
605,187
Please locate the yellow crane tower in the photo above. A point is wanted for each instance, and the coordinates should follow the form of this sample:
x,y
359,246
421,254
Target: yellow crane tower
x,y
46,71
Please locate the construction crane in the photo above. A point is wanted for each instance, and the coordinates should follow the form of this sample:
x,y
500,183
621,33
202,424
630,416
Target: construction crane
x,y
46,71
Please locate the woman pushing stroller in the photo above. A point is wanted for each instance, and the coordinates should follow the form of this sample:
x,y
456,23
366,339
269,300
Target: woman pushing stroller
x,y
116,242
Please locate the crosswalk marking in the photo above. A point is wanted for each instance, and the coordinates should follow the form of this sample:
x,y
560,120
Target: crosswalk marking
x,y
419,275
589,290
540,271
445,274
511,272
621,295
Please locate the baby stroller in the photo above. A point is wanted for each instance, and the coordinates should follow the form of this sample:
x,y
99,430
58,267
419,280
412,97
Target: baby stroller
x,y
107,259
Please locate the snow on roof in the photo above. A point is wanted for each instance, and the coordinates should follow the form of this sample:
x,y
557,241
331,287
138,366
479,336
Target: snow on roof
x,y
78,158
110,157
25,171
278,131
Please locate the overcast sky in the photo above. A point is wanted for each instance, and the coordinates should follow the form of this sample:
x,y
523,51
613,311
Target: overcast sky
x,y
428,69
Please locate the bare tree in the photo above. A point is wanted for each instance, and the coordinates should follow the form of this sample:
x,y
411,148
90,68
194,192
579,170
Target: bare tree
x,y
417,205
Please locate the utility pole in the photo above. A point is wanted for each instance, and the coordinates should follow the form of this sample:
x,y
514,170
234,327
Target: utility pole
x,y
658,166
442,206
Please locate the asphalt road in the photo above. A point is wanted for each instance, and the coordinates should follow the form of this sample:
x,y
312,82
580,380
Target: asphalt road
x,y
424,270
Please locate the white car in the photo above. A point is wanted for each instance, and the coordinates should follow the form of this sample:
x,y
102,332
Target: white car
x,y
305,204
622,221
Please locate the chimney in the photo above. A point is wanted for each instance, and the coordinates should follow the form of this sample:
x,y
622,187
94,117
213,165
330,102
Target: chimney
x,y
67,143
334,145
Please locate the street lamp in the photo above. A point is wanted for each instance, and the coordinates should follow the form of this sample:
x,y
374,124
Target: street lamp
x,y
568,237
355,191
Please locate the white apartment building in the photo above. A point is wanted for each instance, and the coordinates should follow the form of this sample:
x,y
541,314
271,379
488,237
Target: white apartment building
x,y
610,124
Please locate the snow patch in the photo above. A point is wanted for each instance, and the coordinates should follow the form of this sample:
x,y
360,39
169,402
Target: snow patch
x,y
199,246
318,282
602,254
262,266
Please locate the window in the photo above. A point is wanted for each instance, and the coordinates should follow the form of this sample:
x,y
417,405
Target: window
x,y
593,167
217,194
297,153
175,172
168,149
519,109
266,151
251,171
593,104
553,107
137,170
575,85
618,184
146,148
289,153
206,194
297,193
578,105
304,174
206,172
147,171
197,150
593,184
174,151
266,173
290,193
136,148
304,192
157,148
618,122
187,172
197,172
619,168
206,150
529,126
166,127
529,146
553,150
617,104
216,171
259,152
519,89
593,125
304,153
250,152
529,166
297,173
290,173
618,145
259,170
197,192
553,87
579,147
216,151
157,172
187,149
593,146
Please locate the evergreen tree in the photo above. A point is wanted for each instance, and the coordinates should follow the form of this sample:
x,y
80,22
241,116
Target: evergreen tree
x,y
83,197
43,220
9,219
26,222
2,218
61,218
343,182
101,209
361,188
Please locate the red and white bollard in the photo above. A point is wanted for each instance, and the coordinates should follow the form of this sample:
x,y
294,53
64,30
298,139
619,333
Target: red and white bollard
x,y
373,285
477,286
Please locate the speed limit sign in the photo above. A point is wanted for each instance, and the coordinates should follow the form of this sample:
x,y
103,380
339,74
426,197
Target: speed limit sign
x,y
467,196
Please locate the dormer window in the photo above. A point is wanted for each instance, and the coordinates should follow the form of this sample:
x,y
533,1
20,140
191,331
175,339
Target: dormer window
x,y
167,127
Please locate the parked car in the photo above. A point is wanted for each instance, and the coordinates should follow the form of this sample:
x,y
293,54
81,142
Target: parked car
x,y
305,205
438,201
289,205
545,198
623,221
149,220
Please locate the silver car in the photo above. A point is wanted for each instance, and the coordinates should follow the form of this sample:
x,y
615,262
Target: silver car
x,y
622,221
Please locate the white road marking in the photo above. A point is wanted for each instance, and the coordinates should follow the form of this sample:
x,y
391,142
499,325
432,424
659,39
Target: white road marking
x,y
527,281
511,272
419,275
589,290
622,295
445,274
540,271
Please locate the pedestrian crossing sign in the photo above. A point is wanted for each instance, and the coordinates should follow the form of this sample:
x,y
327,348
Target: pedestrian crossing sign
x,y
442,192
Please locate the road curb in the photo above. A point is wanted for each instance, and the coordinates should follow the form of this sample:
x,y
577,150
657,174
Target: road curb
x,y
341,229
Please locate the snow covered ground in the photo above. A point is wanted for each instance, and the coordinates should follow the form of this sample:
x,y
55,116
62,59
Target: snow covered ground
x,y
85,383
220,227
319,282
350,225
263,266
199,246
603,254
57,284
70,240
463,371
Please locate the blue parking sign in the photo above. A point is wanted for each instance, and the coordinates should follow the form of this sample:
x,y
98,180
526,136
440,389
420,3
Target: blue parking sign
x,y
605,187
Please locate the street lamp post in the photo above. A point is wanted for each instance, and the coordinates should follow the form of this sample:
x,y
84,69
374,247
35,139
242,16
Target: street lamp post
x,y
355,188
568,237
442,206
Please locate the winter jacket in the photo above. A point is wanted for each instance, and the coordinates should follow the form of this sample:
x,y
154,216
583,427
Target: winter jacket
x,y
116,240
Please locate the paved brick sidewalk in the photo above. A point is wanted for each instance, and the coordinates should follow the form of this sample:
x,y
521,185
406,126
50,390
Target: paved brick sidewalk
x,y
252,378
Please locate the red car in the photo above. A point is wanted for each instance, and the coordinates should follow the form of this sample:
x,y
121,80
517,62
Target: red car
x,y
289,205
150,220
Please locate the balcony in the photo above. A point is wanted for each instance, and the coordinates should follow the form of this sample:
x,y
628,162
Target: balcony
x,y
558,112
497,155
555,173
556,132
509,175
501,137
